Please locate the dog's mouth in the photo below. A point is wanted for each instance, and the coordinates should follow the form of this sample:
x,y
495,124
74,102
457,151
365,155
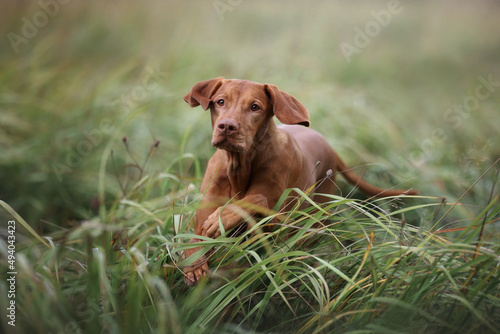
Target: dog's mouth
x,y
228,144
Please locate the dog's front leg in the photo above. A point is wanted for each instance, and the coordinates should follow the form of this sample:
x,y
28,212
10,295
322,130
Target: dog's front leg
x,y
232,215
196,270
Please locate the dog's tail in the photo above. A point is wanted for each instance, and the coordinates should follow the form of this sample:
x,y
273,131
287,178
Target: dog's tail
x,y
366,187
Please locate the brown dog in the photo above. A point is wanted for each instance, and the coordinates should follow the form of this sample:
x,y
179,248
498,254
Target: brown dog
x,y
256,160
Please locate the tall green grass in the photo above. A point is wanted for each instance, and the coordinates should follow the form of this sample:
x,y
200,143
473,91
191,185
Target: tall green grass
x,y
346,266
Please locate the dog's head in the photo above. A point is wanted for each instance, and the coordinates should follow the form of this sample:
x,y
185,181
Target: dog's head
x,y
241,110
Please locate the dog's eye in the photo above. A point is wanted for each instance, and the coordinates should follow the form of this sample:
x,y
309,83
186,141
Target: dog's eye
x,y
220,102
255,107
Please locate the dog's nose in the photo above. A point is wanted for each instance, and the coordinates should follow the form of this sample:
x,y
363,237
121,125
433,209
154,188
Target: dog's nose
x,y
227,126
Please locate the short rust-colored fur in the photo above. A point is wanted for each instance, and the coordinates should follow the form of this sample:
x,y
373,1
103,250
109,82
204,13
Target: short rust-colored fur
x,y
256,160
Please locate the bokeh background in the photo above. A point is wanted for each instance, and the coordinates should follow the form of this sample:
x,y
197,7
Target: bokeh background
x,y
77,76
101,156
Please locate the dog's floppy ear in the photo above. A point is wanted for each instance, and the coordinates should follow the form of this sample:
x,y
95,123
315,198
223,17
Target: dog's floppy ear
x,y
286,108
202,92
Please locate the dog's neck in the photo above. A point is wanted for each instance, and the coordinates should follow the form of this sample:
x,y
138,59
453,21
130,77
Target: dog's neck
x,y
239,168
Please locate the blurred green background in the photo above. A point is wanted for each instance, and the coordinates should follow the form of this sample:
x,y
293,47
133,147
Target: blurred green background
x,y
78,76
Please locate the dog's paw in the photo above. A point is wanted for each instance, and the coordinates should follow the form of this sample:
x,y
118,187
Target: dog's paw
x,y
194,274
211,226
226,215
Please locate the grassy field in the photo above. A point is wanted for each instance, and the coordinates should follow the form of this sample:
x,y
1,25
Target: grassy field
x,y
101,162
